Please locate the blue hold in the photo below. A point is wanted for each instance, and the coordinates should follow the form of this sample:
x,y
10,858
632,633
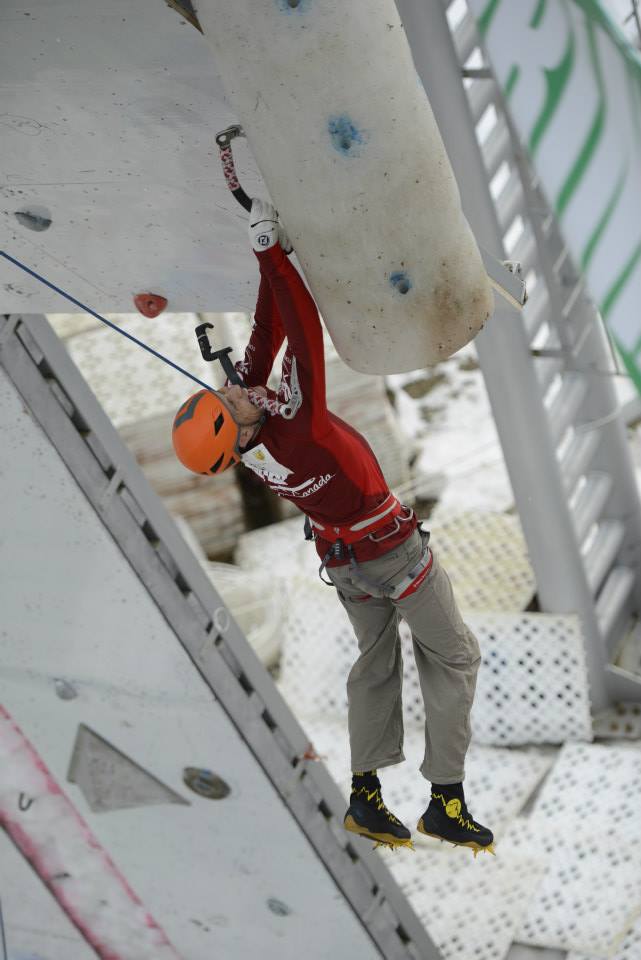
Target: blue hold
x,y
346,137
400,281
293,6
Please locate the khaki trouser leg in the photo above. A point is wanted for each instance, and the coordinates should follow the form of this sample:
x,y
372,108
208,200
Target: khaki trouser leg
x,y
374,686
447,659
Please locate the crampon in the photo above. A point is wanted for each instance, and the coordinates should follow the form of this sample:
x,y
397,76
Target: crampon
x,y
449,820
381,839
368,817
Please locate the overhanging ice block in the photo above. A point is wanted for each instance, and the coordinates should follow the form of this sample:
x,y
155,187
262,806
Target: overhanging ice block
x,y
346,141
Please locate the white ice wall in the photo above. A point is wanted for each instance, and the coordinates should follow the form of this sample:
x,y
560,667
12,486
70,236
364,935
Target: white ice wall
x,y
73,608
345,138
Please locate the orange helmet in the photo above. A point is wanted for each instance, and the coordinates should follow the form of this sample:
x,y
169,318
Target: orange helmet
x,y
205,434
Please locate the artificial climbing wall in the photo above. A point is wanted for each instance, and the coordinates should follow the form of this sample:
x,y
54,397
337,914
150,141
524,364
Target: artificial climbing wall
x,y
140,737
344,136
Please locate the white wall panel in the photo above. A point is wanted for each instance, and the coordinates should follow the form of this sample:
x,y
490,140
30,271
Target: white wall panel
x,y
73,608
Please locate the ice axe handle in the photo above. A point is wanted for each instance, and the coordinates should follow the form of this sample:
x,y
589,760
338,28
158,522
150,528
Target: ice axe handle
x,y
224,139
212,355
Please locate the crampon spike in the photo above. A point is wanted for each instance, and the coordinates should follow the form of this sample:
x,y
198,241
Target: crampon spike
x,y
394,845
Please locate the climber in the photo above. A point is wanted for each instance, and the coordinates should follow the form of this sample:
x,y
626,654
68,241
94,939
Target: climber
x,y
372,548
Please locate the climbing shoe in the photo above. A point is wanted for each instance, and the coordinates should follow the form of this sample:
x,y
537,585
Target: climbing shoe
x,y
447,818
369,817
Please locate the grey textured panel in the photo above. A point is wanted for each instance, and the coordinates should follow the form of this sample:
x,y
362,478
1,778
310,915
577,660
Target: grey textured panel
x,y
110,780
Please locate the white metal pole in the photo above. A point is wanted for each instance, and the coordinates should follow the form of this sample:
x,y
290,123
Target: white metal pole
x,y
504,351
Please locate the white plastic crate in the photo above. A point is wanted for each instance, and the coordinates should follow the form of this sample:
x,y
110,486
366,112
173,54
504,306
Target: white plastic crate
x,y
486,558
471,908
318,649
619,722
629,947
281,547
532,685
586,826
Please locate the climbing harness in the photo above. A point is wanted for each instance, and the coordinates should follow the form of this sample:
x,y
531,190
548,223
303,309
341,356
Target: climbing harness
x,y
390,509
342,538
400,591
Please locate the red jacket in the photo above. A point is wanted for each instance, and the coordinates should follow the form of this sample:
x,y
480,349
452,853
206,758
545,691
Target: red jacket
x,y
309,455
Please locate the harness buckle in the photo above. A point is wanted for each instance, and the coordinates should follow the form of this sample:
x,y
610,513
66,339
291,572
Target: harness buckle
x,y
394,530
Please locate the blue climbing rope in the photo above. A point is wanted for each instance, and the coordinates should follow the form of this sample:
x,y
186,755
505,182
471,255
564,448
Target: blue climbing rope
x,y
113,326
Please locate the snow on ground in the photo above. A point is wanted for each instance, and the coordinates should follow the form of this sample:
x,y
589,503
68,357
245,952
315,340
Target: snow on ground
x,y
446,414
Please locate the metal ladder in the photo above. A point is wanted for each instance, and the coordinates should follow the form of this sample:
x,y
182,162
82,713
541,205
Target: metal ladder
x,y
575,487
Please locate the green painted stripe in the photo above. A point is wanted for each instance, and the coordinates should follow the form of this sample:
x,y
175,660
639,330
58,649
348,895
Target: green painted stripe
x,y
634,102
615,290
635,349
597,233
555,80
486,17
513,76
599,15
537,16
594,134
574,177
630,360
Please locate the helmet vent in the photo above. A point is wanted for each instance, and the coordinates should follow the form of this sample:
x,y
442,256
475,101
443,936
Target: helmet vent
x,y
218,423
186,412
216,467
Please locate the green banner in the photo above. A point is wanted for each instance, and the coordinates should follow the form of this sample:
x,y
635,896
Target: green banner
x,y
573,88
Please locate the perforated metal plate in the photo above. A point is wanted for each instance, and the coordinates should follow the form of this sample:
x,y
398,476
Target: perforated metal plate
x,y
318,650
472,909
130,383
628,949
586,825
619,722
484,553
486,559
532,685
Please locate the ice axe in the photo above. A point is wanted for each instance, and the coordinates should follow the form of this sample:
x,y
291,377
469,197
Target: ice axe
x,y
224,141
212,355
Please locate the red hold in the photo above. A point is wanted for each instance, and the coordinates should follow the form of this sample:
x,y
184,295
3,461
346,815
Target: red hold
x,y
150,304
